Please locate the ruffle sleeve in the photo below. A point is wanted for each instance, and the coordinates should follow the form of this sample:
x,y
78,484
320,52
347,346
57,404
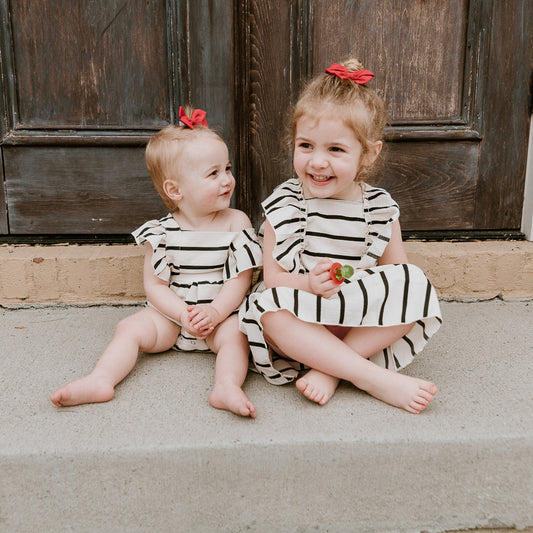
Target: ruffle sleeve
x,y
245,253
380,211
286,211
154,232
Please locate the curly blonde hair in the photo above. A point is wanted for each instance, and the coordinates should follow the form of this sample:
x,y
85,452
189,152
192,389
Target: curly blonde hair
x,y
360,108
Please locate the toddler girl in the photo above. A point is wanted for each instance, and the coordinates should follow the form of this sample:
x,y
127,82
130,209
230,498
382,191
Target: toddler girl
x,y
197,270
368,327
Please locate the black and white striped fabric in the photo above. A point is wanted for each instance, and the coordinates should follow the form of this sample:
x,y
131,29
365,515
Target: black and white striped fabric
x,y
197,263
354,233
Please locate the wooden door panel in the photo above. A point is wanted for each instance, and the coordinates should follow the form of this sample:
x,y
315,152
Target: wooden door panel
x,y
86,66
85,85
420,55
439,196
77,190
439,68
269,96
416,51
509,103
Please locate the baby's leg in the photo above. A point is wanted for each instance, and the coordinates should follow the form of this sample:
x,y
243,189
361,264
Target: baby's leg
x,y
318,348
146,331
231,367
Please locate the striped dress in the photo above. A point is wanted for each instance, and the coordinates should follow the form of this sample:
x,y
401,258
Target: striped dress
x,y
197,263
354,233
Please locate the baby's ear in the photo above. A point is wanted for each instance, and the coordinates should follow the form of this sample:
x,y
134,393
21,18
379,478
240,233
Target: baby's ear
x,y
172,190
373,153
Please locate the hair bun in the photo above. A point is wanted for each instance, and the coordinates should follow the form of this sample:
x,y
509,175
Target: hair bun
x,y
353,64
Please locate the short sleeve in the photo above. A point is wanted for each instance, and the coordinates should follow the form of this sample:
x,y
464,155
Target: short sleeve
x,y
286,211
380,212
154,232
244,254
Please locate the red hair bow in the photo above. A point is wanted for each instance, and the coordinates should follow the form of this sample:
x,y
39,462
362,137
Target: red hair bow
x,y
196,119
359,76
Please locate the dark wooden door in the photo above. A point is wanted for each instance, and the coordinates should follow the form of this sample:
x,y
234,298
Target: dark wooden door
x,y
456,77
84,85
85,82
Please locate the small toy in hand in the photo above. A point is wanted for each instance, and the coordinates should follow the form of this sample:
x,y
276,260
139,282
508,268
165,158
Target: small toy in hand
x,y
339,273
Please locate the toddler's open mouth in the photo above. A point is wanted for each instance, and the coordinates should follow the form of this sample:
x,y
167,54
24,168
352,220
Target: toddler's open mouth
x,y
320,179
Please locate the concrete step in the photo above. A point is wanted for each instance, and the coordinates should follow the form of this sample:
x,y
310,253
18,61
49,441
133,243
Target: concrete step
x,y
159,458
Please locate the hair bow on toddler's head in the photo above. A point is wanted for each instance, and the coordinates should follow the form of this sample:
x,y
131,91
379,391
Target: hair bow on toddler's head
x,y
197,118
359,76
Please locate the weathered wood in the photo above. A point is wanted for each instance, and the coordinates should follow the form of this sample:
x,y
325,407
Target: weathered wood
x,y
78,190
4,228
434,183
415,49
270,54
211,63
90,65
502,164
84,84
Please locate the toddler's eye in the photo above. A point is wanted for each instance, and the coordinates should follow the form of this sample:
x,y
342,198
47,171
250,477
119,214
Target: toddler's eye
x,y
336,149
304,146
228,168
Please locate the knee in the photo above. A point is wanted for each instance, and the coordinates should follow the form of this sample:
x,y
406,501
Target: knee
x,y
128,327
271,319
274,321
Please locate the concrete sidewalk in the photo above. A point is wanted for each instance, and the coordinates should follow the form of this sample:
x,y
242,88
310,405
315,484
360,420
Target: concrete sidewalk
x,y
159,458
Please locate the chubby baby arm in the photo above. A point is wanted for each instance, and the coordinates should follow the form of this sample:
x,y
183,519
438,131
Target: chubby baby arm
x,y
164,299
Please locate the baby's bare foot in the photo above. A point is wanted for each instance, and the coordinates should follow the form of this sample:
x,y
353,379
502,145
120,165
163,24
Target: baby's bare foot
x,y
230,397
406,392
88,389
317,386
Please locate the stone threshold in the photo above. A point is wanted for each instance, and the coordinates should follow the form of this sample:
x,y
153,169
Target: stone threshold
x,y
112,274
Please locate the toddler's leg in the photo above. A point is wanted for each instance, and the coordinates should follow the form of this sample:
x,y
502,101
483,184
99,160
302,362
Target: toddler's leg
x,y
318,348
146,331
316,385
231,367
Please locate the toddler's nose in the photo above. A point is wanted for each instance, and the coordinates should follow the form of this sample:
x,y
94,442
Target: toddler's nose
x,y
319,161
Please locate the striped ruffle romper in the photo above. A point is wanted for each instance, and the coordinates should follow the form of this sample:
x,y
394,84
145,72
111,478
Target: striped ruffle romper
x,y
197,263
354,233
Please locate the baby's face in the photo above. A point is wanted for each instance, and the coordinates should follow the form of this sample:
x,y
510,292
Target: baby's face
x,y
205,179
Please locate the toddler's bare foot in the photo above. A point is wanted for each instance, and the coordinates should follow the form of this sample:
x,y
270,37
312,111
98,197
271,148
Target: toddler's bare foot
x,y
406,392
317,386
230,397
88,389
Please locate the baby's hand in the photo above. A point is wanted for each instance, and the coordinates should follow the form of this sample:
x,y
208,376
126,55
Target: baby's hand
x,y
189,327
320,279
204,317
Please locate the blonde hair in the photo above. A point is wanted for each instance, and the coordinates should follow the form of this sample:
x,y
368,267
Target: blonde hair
x,y
360,108
164,150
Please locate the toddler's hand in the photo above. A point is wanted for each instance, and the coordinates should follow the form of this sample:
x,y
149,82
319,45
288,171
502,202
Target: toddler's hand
x,y
320,279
